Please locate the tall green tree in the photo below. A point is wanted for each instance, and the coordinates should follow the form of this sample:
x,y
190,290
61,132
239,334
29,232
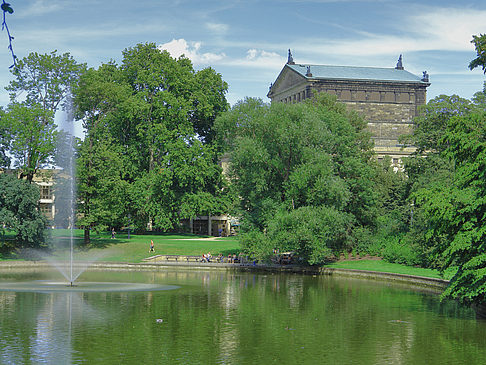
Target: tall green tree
x,y
44,79
456,211
158,111
32,137
102,192
299,168
39,89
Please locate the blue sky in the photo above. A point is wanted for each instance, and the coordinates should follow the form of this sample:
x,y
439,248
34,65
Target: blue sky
x,y
247,41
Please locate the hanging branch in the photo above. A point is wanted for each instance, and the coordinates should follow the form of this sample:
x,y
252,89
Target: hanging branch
x,y
8,9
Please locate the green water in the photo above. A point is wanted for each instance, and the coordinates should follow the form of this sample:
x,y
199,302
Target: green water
x,y
219,317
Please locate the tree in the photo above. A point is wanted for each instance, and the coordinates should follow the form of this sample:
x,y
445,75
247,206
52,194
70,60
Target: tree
x,y
4,143
158,114
456,211
430,169
32,137
300,168
45,78
432,121
102,193
19,211
479,42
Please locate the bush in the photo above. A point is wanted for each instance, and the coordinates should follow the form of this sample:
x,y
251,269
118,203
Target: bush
x,y
364,242
397,251
256,244
313,233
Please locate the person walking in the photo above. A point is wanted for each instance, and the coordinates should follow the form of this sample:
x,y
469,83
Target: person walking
x,y
152,248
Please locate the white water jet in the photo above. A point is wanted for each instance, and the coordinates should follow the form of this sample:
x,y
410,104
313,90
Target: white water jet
x,y
65,199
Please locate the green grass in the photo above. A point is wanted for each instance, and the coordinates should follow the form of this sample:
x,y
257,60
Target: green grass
x,y
137,247
383,266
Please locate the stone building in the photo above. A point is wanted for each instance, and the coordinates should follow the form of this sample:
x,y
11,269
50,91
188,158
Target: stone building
x,y
388,98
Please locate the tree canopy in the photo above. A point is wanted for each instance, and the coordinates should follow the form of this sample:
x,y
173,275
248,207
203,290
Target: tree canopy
x,y
148,124
303,173
39,89
479,42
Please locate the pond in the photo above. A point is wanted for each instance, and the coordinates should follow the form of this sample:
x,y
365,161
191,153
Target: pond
x,y
231,317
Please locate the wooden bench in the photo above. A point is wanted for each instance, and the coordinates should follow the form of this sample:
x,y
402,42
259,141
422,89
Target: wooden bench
x,y
192,258
171,257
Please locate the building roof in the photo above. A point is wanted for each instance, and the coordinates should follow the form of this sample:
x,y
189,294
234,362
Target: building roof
x,y
355,73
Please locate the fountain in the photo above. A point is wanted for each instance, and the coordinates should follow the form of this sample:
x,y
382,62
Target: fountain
x,y
65,182
65,196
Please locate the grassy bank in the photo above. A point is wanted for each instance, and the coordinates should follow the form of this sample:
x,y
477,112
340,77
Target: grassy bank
x,y
135,249
383,266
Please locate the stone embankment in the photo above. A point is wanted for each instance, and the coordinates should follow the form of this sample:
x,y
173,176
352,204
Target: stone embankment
x,y
409,280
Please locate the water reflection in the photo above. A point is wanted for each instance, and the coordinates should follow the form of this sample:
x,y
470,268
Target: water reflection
x,y
238,318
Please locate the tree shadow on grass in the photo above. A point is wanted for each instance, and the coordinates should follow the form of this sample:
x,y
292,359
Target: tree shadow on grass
x,y
105,242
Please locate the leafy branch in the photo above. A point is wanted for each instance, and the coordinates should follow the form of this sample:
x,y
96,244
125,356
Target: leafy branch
x,y
8,9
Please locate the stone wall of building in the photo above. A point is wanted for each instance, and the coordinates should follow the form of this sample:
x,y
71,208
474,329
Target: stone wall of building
x,y
388,107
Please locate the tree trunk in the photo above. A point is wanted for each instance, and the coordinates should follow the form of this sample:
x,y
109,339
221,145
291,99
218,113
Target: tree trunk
x,y
86,236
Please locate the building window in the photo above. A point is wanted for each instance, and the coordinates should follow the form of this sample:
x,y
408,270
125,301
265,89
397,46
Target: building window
x,y
45,192
46,209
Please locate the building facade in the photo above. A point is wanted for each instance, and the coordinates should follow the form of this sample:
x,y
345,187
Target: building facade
x,y
388,98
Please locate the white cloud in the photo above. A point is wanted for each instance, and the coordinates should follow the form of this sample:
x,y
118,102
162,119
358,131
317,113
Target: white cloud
x,y
179,47
449,28
431,29
40,7
259,59
218,28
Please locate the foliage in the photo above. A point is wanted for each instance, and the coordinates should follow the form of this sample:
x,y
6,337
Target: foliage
x,y
298,170
19,211
433,171
44,82
100,188
4,143
456,211
45,78
31,137
479,42
313,233
401,252
153,115
433,119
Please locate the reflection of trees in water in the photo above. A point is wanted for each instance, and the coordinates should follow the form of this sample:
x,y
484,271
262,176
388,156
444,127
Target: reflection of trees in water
x,y
237,317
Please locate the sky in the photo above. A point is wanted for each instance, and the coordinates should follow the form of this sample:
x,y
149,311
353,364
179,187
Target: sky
x,y
247,41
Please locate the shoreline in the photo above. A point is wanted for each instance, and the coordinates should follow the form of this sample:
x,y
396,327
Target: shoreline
x,y
410,280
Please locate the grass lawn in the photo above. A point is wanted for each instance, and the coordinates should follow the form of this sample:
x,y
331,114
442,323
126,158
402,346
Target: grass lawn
x,y
383,266
135,249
